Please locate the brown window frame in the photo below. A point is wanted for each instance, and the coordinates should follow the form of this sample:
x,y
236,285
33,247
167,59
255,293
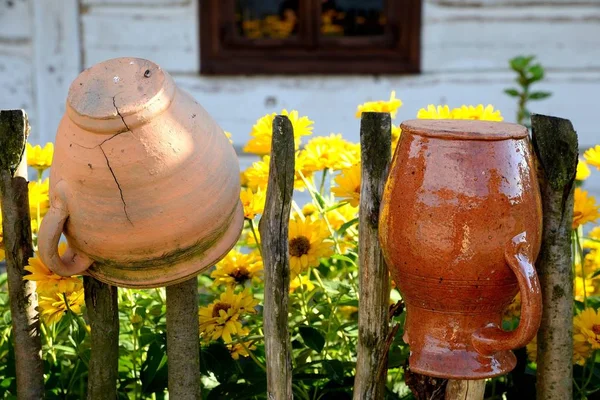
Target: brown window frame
x,y
222,52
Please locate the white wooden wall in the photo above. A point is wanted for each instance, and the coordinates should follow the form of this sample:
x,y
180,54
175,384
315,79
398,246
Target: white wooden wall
x,y
466,45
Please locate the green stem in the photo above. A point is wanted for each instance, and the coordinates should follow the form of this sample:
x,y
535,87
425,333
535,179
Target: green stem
x,y
255,236
323,177
253,357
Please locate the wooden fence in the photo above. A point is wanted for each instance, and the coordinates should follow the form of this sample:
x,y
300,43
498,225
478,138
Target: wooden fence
x,y
555,144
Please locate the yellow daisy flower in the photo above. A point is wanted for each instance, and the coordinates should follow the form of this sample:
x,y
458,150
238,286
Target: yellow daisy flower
x,y
531,349
581,351
238,349
592,156
53,307
583,171
578,284
585,209
222,318
301,280
392,105
348,185
309,210
308,243
341,215
433,112
350,155
38,194
253,202
47,282
325,153
40,158
514,308
237,269
257,175
588,326
477,112
262,132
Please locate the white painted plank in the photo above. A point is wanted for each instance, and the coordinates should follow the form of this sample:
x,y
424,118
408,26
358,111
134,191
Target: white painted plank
x,y
456,39
167,36
513,3
15,20
57,59
16,87
127,3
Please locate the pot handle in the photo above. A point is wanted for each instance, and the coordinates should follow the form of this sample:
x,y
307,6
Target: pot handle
x,y
491,338
72,262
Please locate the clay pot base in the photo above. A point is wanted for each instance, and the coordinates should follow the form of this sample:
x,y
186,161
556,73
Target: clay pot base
x,y
152,276
441,346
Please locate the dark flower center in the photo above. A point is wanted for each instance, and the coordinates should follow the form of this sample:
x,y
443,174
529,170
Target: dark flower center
x,y
218,307
240,275
596,329
299,246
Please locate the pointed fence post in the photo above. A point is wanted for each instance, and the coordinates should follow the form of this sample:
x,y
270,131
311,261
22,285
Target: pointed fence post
x,y
101,301
555,144
16,224
273,229
374,296
183,340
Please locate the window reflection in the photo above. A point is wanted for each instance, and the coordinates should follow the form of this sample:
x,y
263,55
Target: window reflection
x,y
267,18
352,17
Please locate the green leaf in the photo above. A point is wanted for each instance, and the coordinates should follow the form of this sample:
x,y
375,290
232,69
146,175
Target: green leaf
x,y
595,274
334,369
313,338
520,63
320,199
512,92
154,369
347,225
539,95
216,359
537,73
343,258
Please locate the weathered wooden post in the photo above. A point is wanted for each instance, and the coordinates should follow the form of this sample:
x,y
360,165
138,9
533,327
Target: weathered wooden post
x,y
183,343
273,229
16,225
101,301
374,296
555,144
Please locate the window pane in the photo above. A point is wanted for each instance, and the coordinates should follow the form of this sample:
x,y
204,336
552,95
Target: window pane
x,y
267,18
352,17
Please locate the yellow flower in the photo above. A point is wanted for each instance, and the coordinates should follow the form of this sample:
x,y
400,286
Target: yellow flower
x,y
583,171
433,112
38,194
592,156
301,280
585,209
237,269
390,106
52,305
349,312
588,328
238,349
309,209
308,243
348,185
531,349
514,308
40,158
341,215
257,175
254,203
47,282
330,152
578,284
262,132
222,318
477,112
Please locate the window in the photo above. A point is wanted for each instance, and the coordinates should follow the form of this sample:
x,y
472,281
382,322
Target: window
x,y
310,36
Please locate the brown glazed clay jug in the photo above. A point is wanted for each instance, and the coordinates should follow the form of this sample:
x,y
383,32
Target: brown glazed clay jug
x,y
460,228
144,184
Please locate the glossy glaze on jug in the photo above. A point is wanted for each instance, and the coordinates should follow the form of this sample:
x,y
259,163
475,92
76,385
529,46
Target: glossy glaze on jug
x,y
144,181
460,229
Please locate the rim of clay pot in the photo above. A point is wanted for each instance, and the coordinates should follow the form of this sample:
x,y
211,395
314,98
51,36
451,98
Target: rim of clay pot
x,y
464,129
119,94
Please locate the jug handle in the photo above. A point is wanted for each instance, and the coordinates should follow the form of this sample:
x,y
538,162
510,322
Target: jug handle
x,y
72,262
491,338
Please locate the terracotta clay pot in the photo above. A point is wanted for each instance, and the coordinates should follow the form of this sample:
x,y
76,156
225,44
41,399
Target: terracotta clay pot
x,y
144,184
460,228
